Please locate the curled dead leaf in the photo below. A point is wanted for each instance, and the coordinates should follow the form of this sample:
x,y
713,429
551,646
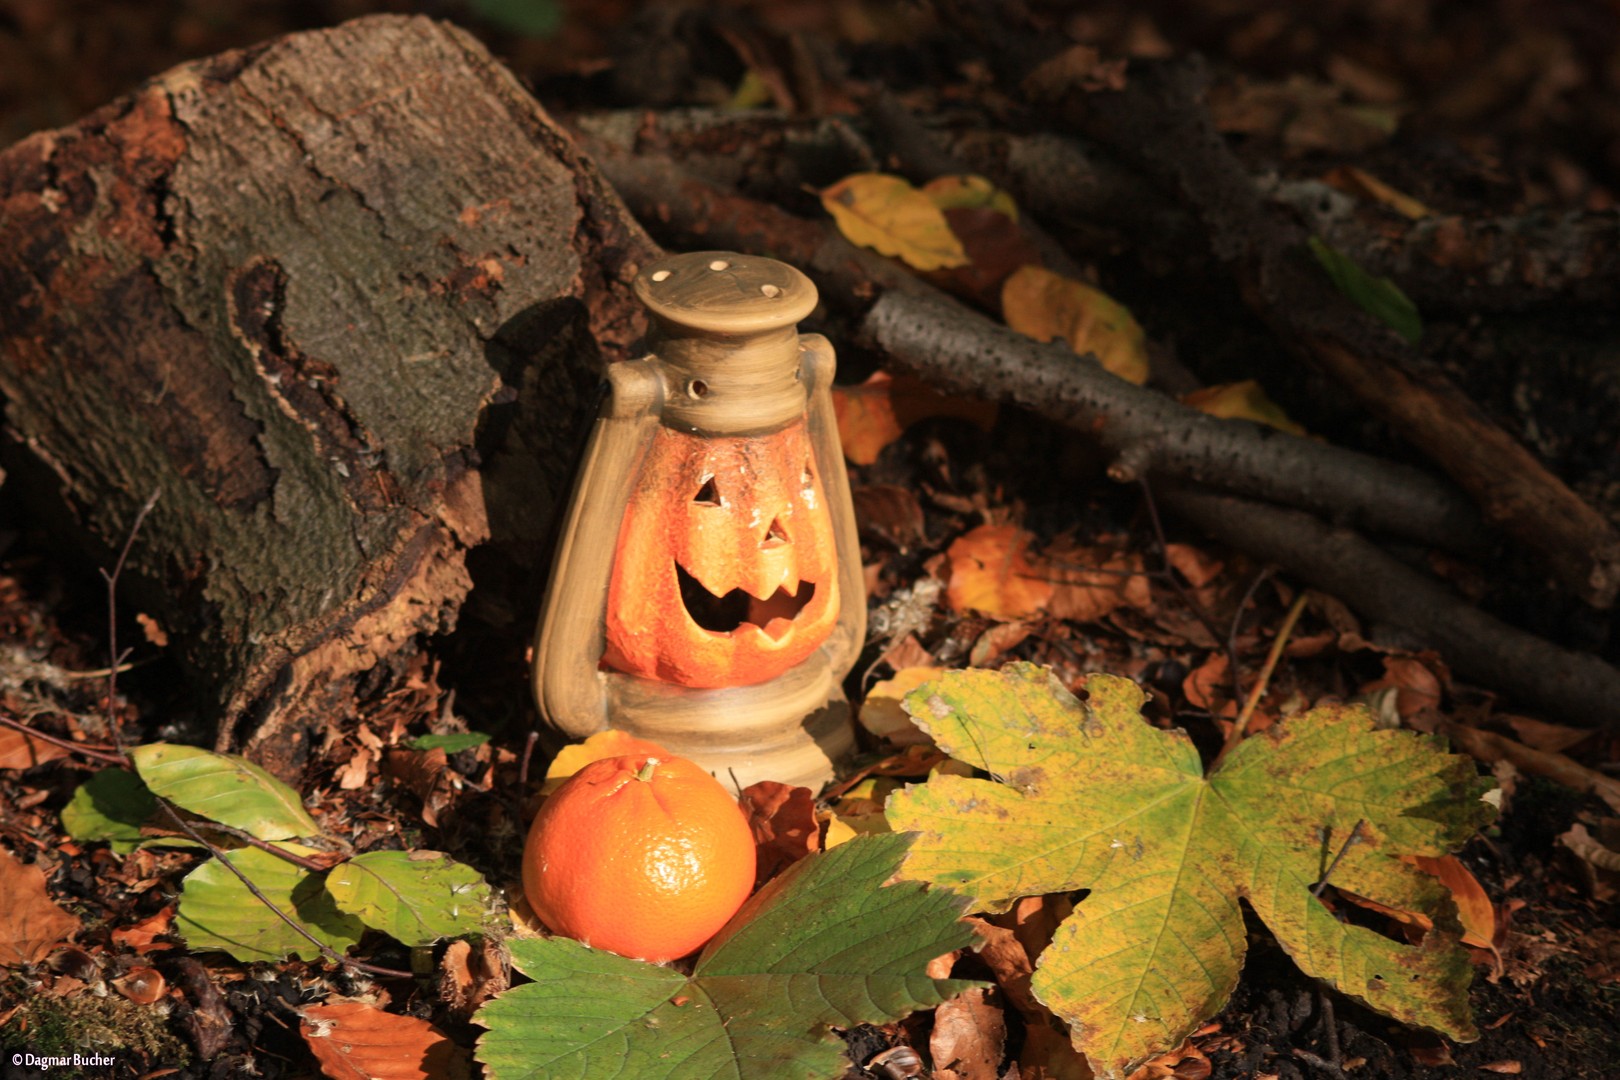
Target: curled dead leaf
x,y
355,1041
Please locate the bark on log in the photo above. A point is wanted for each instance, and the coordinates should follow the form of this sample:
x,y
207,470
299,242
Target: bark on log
x,y
298,288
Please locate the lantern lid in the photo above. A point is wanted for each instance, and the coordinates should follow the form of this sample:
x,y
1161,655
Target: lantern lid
x,y
722,292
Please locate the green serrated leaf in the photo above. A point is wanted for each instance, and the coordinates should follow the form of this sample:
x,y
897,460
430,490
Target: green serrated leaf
x,y
1092,797
218,912
415,897
111,806
224,788
826,943
1377,296
451,743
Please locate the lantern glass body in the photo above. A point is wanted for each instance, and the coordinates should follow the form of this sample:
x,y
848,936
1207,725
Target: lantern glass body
x,y
725,572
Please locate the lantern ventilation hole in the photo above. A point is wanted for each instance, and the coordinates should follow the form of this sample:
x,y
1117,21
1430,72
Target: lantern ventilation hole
x,y
697,388
771,291
661,275
719,264
775,536
708,494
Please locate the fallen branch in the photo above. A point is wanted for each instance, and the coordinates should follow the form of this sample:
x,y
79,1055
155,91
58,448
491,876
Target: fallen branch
x,y
1577,688
1488,746
1158,123
1146,433
950,344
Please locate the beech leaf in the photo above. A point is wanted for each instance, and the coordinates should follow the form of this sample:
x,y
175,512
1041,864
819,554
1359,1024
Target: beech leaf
x,y
825,943
218,912
31,923
1092,797
415,897
111,805
1046,306
356,1041
888,215
224,788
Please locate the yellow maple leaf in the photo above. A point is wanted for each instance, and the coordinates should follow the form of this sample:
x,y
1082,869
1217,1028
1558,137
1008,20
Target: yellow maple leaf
x,y
888,215
1046,306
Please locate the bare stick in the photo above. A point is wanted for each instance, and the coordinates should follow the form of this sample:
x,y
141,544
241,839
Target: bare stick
x,y
91,752
1270,666
1344,848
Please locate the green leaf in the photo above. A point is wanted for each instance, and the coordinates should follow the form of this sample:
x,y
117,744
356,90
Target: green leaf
x,y
415,897
534,18
1377,296
825,943
111,805
451,743
224,788
218,912
1092,797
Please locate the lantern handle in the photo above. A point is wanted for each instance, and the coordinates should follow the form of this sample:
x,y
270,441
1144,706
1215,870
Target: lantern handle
x,y
818,364
568,687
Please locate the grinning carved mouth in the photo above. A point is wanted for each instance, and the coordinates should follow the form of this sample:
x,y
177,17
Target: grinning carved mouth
x,y
772,616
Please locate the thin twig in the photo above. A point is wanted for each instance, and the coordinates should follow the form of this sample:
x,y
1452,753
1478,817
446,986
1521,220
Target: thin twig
x,y
1270,666
1237,625
312,865
111,578
65,744
1316,890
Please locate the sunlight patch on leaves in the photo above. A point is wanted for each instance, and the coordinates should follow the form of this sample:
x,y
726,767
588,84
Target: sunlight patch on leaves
x,y
1090,796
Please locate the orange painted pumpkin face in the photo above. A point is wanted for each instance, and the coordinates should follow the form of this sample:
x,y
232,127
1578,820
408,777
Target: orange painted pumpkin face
x,y
726,571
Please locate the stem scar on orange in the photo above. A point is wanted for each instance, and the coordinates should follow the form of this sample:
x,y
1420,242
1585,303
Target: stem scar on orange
x,y
643,855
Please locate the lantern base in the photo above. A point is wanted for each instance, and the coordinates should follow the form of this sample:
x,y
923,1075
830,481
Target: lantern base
x,y
796,729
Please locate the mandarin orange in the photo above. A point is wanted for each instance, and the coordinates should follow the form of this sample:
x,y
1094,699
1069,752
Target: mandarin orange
x,y
644,855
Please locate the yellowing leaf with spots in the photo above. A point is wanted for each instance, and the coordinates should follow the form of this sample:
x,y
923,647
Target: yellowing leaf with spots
x,y
888,215
1246,400
1045,306
1093,797
993,572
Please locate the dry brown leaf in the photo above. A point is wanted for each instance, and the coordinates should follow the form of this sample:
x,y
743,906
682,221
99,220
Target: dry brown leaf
x,y
143,936
1418,682
891,513
1245,400
142,985
31,924
1198,567
882,714
1012,966
355,1041
997,641
969,1036
1049,1055
1503,1068
888,215
997,247
1304,114
1046,306
783,820
426,773
878,411
20,750
1208,686
1539,734
992,572
1089,583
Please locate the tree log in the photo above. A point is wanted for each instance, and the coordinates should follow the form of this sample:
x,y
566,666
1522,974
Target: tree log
x,y
341,298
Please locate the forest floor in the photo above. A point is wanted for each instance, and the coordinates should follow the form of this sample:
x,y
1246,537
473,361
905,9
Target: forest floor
x,y
1507,113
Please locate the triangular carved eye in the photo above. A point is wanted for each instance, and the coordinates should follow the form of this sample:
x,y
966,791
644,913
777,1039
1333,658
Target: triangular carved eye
x,y
776,536
708,494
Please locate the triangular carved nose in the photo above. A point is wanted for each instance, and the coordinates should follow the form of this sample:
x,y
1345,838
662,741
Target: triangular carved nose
x,y
775,536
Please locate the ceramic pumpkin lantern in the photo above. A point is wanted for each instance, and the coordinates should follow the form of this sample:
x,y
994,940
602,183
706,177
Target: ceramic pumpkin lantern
x,y
707,591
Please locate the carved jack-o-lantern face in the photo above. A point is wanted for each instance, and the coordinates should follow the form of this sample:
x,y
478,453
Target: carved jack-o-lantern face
x,y
726,573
